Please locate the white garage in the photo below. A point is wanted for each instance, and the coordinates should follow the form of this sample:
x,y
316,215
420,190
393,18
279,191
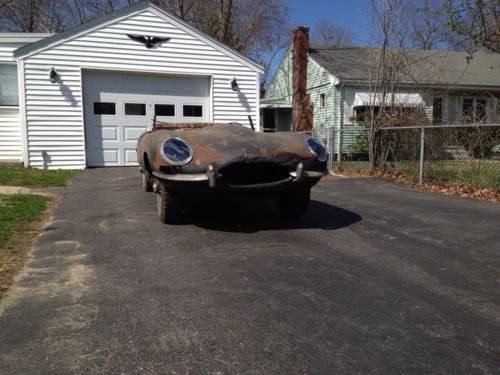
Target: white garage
x,y
119,107
85,95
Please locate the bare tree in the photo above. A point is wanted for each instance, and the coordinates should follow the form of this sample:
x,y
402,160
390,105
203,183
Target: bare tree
x,y
257,28
30,16
478,20
390,65
327,33
4,3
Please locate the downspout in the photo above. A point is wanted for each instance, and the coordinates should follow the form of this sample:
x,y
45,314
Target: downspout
x,y
22,111
340,122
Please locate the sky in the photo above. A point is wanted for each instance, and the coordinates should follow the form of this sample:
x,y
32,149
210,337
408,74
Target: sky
x,y
350,14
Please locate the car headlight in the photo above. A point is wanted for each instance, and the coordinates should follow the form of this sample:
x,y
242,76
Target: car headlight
x,y
176,151
317,149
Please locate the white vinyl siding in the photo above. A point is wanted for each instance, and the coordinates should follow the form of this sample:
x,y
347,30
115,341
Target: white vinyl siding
x,y
54,112
10,135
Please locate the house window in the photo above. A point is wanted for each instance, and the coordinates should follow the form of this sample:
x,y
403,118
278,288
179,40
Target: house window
x,y
363,114
135,109
481,110
104,108
467,110
474,110
321,101
165,110
192,111
9,94
437,110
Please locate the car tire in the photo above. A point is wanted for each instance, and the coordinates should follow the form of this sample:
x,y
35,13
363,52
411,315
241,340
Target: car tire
x,y
167,205
292,204
147,186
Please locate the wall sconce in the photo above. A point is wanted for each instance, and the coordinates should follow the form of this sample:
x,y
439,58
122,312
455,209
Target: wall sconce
x,y
53,75
234,85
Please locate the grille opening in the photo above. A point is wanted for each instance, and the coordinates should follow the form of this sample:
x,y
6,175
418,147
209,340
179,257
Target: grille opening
x,y
253,173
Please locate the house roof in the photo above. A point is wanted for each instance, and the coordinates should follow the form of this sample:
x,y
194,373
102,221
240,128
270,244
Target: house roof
x,y
22,38
359,64
125,12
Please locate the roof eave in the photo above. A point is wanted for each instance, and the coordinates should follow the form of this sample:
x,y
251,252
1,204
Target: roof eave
x,y
333,78
437,85
30,49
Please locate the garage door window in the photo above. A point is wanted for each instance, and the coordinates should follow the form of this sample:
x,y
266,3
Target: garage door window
x,y
165,110
135,109
104,108
192,111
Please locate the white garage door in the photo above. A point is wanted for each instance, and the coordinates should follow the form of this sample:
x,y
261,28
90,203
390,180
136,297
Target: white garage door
x,y
119,107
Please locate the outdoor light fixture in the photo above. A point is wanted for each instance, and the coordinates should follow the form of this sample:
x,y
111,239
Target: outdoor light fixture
x,y
234,85
53,75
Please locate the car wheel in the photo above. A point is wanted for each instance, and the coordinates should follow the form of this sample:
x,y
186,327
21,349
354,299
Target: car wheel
x,y
167,206
146,183
292,204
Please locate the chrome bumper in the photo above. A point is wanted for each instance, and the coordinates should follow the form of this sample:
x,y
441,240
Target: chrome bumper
x,y
211,176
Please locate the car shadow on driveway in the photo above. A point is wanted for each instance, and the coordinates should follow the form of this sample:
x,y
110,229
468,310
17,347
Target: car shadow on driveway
x,y
251,217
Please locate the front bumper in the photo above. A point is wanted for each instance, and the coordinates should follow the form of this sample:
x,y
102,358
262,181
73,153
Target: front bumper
x,y
212,180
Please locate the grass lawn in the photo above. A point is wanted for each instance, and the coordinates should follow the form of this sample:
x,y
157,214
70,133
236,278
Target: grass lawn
x,y
16,212
19,215
17,175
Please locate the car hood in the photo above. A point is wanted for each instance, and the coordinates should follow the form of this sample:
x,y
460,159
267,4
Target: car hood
x,y
225,144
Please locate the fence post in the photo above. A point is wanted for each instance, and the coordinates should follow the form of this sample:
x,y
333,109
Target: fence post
x,y
339,149
331,148
422,146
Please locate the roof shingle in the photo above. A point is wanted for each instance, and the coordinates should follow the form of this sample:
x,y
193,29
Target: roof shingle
x,y
359,64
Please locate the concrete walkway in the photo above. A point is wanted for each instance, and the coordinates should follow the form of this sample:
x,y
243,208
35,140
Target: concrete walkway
x,y
15,190
51,191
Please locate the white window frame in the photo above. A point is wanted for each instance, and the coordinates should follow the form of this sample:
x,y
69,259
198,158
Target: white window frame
x,y
145,112
163,103
322,100
195,104
474,108
6,106
106,115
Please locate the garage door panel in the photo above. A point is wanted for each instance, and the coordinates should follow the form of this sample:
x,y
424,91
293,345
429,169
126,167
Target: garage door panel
x,y
112,139
109,134
111,156
133,133
130,156
99,157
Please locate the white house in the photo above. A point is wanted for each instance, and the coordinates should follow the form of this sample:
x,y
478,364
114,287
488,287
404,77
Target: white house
x,y
82,97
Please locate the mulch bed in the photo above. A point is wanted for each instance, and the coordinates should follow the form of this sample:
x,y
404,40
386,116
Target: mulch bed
x,y
447,188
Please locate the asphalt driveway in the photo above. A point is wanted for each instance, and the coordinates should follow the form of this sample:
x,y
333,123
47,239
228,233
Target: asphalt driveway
x,y
375,278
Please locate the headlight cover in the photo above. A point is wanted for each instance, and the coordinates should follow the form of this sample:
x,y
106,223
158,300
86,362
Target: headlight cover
x,y
176,151
317,149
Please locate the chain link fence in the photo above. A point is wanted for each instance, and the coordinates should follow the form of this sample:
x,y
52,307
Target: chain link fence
x,y
459,154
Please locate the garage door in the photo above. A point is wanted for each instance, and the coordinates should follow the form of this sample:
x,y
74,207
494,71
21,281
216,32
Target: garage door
x,y
119,107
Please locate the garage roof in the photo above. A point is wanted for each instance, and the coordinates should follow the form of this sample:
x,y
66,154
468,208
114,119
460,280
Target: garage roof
x,y
57,39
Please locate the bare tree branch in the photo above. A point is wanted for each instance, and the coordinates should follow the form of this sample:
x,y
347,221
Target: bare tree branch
x,y
327,33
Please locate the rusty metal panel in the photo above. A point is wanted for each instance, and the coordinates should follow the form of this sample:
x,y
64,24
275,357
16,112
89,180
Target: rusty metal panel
x,y
224,144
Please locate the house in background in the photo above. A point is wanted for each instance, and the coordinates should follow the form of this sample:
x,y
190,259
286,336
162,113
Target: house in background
x,y
83,97
445,87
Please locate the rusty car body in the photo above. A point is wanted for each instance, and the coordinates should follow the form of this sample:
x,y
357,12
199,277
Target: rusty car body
x,y
177,160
